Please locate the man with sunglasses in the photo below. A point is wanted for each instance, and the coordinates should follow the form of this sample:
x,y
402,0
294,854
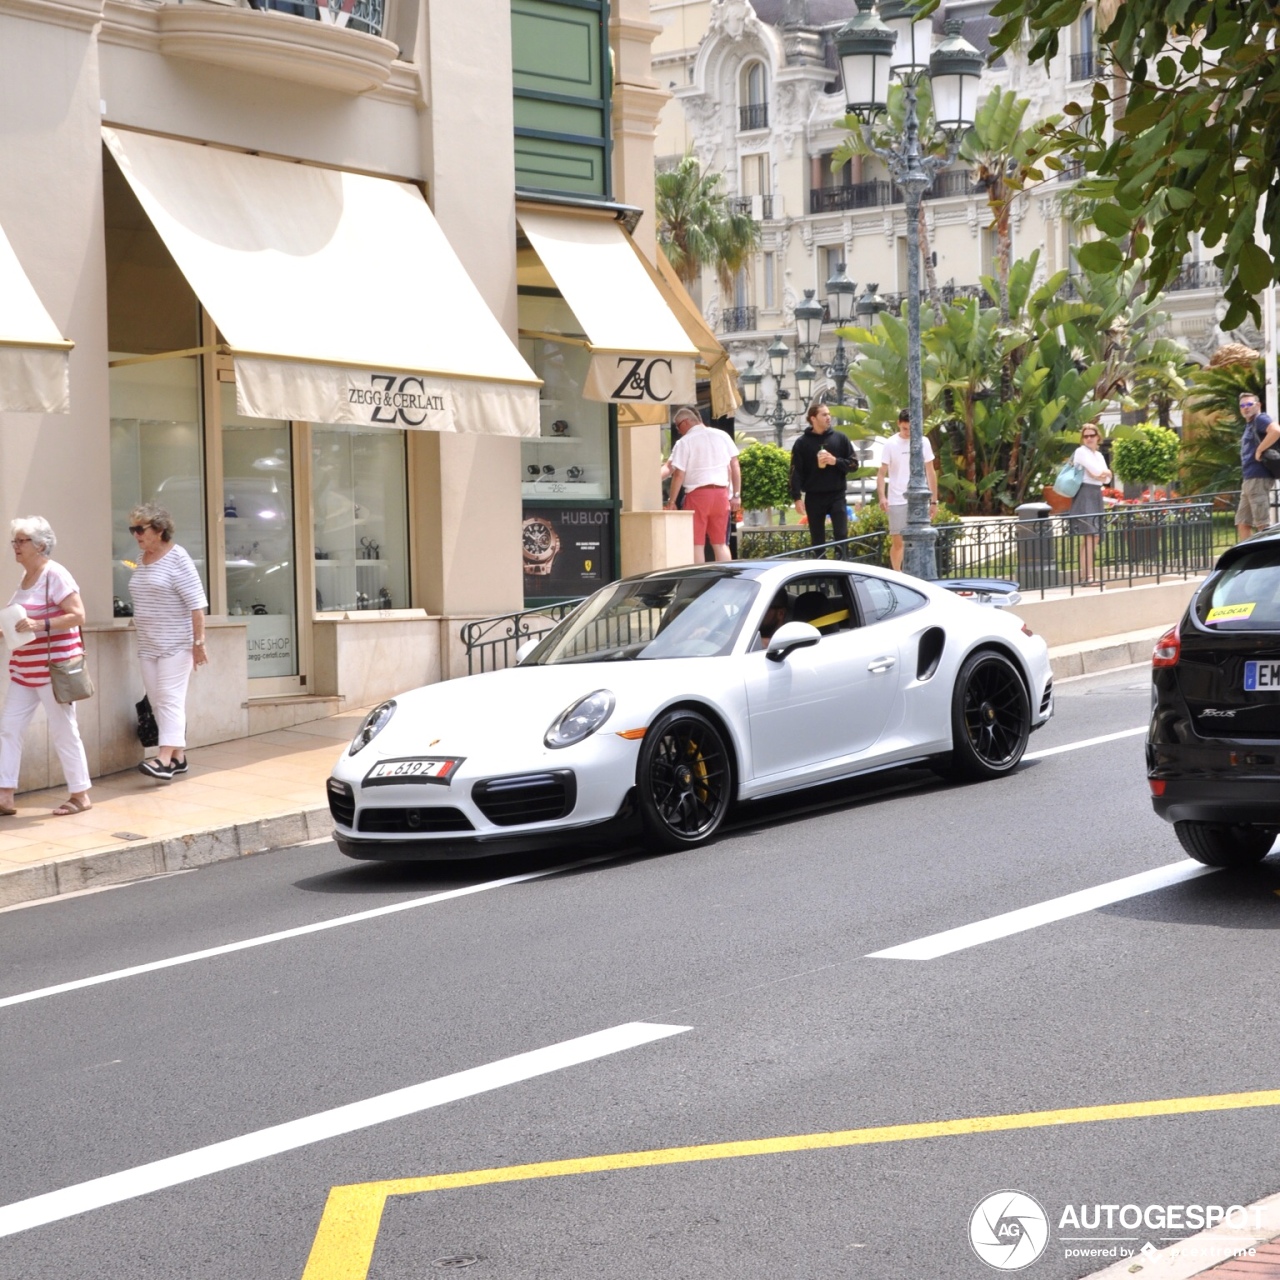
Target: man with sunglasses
x,y
1260,433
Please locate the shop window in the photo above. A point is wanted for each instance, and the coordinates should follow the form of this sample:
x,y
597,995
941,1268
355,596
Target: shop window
x,y
157,455
570,457
360,513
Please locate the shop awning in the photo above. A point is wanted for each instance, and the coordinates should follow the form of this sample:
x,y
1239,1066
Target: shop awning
x,y
641,353
338,295
34,356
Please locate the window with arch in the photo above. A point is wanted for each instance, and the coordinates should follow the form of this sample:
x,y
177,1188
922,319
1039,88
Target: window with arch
x,y
754,110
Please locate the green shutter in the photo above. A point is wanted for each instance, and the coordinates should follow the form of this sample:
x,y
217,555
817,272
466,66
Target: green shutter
x,y
561,85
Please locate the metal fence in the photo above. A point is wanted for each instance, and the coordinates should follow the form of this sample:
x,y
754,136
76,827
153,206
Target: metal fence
x,y
365,15
1150,542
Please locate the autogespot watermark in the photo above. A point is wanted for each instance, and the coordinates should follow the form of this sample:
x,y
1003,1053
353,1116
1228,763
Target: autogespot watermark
x,y
1009,1230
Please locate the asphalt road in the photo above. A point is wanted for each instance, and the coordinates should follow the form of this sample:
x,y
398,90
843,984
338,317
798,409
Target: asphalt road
x,y
759,945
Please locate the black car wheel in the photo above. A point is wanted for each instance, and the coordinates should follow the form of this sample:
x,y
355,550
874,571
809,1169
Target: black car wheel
x,y
990,717
1217,844
683,780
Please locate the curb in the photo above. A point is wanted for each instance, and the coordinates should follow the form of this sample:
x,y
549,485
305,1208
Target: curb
x,y
1133,648
79,871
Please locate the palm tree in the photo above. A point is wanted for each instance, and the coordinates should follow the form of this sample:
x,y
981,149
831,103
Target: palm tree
x,y
697,227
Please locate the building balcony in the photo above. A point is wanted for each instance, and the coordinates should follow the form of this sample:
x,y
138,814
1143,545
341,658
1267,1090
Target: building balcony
x,y
758,207
879,192
1085,66
334,46
755,116
1196,275
738,320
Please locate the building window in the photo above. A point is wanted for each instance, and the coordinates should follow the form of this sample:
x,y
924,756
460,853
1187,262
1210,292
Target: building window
x,y
561,79
569,459
770,283
1084,60
753,113
360,514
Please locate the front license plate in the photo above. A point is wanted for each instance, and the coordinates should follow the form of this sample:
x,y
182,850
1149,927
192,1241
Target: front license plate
x,y
419,769
1262,677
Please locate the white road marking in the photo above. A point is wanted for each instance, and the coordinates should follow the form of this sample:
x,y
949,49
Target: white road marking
x,y
1072,904
1084,742
301,931
144,1179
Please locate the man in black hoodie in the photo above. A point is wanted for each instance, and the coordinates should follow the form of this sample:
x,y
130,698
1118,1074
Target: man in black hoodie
x,y
820,460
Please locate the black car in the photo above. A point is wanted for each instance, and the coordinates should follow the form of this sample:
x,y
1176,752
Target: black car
x,y
1213,748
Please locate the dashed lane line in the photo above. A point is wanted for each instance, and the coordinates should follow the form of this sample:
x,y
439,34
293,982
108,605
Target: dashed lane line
x,y
1084,742
144,1179
1071,904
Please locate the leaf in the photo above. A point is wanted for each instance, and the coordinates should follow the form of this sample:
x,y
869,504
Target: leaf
x,y
1099,255
1256,270
1112,220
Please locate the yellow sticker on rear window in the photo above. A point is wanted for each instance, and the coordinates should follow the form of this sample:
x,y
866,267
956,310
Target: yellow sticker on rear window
x,y
1226,612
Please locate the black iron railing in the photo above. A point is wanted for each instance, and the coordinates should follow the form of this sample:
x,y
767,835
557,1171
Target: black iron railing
x,y
737,319
1085,66
746,205
753,116
366,15
491,643
878,192
1196,275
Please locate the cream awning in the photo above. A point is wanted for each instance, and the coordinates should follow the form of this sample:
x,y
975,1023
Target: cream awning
x,y
338,295
34,356
640,352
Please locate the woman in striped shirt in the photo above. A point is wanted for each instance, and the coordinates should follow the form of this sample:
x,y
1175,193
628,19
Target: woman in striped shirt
x,y
51,599
168,614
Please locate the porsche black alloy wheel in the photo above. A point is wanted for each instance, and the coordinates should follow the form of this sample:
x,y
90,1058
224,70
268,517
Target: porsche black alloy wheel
x,y
683,780
1217,844
990,717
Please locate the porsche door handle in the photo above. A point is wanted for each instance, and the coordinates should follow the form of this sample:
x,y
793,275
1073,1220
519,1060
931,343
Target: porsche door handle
x,y
880,665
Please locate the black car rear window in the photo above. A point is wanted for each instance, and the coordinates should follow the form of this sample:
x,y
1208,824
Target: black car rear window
x,y
1245,596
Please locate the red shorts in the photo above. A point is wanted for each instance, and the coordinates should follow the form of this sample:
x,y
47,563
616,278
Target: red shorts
x,y
710,507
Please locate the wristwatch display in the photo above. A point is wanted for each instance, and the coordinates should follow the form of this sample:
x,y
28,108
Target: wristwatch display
x,y
540,543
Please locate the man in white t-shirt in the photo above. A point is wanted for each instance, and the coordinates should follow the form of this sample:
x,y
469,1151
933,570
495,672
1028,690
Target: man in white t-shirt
x,y
895,475
704,462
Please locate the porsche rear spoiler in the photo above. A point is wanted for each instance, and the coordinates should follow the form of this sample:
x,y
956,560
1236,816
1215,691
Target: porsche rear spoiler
x,y
993,591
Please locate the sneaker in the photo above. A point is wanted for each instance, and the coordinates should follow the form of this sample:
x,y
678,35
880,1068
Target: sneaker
x,y
180,766
154,769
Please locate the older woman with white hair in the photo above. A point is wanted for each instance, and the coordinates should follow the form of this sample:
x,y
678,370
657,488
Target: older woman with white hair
x,y
51,600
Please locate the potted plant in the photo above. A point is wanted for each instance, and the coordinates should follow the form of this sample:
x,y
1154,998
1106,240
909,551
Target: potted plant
x,y
1148,456
766,478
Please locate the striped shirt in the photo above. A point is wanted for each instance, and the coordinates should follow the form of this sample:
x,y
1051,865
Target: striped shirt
x,y
164,595
30,665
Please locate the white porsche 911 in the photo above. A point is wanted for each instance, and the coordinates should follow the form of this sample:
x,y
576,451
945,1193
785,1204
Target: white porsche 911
x,y
664,699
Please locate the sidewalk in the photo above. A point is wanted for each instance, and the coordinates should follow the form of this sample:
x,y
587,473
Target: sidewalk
x,y
252,794
239,797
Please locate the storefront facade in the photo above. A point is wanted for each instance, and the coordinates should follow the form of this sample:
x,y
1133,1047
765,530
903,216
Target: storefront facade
x,y
272,277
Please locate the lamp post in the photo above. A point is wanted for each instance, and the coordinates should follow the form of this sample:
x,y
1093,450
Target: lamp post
x,y
776,413
870,51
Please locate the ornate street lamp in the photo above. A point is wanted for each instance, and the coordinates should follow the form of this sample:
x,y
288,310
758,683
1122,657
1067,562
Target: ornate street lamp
x,y
869,49
808,322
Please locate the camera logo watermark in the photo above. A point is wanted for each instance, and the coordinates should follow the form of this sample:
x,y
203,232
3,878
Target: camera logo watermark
x,y
1009,1230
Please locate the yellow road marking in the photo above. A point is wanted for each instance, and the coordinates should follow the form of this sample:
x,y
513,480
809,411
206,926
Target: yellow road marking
x,y
343,1246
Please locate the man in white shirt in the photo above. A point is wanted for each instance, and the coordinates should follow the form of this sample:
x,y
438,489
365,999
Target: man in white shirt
x,y
704,462
895,475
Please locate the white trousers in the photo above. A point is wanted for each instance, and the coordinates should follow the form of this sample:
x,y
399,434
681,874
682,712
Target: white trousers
x,y
20,705
165,680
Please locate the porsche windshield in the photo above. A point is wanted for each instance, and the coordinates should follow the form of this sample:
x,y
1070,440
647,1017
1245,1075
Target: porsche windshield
x,y
694,616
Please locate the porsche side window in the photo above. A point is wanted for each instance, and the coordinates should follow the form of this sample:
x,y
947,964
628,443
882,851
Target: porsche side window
x,y
823,602
882,600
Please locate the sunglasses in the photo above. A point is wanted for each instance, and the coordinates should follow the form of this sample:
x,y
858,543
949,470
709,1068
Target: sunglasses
x,y
136,529
1088,435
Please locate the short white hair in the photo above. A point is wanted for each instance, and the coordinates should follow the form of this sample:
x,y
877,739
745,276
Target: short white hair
x,y
37,529
681,414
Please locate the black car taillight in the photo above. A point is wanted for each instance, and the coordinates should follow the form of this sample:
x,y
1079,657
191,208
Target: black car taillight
x,y
1168,649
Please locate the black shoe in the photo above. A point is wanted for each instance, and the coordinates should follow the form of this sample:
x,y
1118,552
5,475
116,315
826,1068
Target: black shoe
x,y
154,769
180,766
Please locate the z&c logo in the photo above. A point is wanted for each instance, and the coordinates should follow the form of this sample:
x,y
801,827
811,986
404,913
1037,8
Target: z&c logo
x,y
1009,1230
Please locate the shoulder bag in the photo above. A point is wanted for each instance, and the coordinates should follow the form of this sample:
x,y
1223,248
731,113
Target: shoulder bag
x,y
1070,478
1270,458
70,677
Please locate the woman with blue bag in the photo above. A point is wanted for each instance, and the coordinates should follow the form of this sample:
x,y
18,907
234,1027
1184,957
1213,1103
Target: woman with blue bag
x,y
1086,506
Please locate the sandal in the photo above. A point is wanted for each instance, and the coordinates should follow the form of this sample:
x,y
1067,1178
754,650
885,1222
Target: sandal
x,y
71,806
7,811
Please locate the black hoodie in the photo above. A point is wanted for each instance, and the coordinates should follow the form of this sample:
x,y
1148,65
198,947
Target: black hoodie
x,y
807,476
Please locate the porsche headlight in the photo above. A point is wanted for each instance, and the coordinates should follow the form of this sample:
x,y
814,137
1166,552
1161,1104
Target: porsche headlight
x,y
374,723
580,720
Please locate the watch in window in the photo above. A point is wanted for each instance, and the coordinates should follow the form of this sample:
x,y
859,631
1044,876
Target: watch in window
x,y
540,543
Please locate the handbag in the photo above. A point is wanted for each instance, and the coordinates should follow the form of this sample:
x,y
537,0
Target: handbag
x,y
1070,478
148,729
1270,459
70,677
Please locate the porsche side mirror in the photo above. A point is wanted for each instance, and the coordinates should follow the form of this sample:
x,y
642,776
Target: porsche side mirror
x,y
526,649
791,635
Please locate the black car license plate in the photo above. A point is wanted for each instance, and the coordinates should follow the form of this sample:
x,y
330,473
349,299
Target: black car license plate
x,y
1261,677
